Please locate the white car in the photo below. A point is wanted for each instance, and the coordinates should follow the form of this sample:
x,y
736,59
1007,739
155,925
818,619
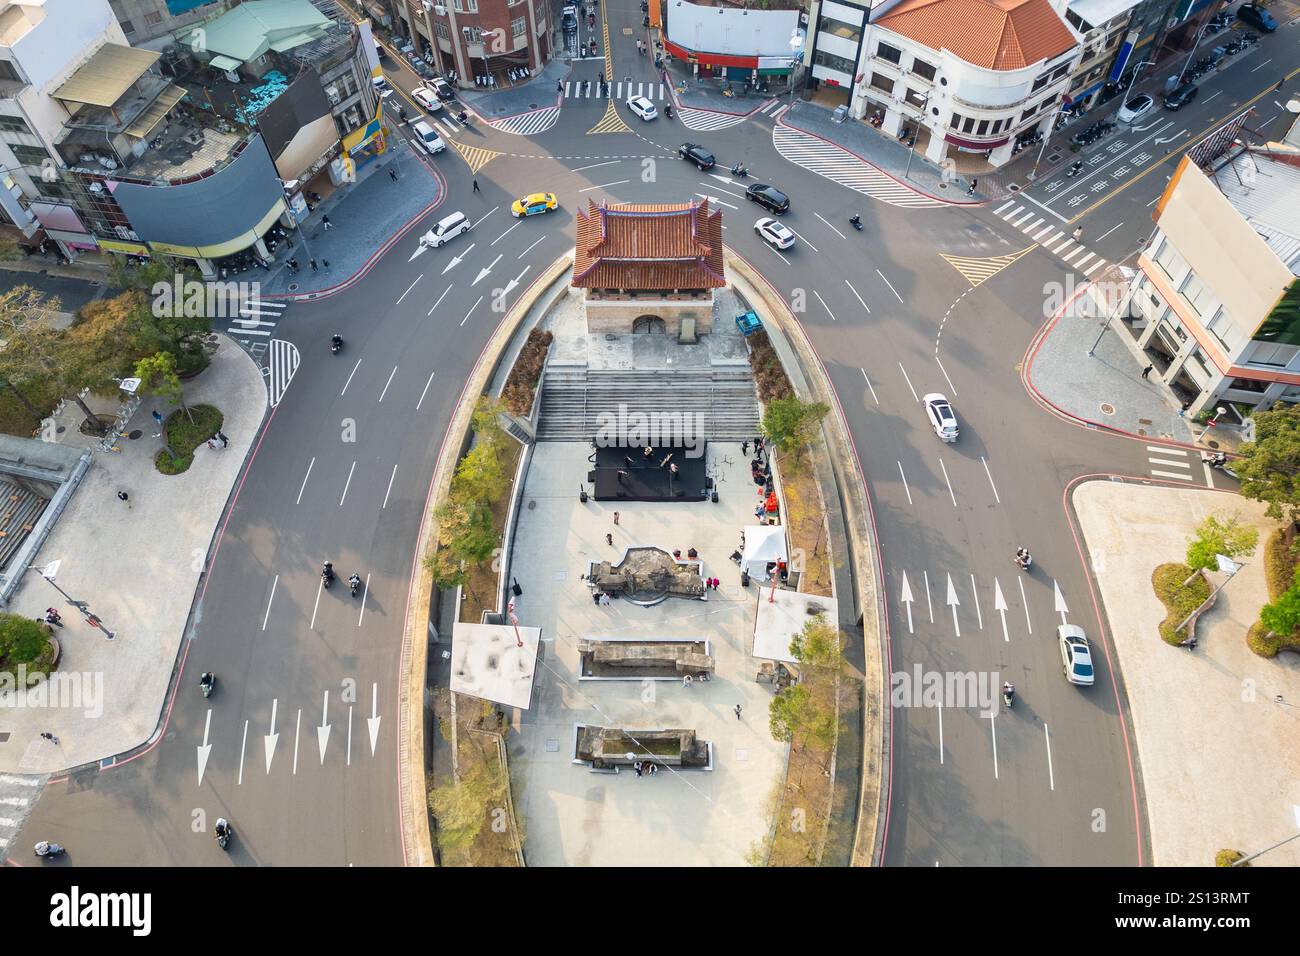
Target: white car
x,y
381,87
642,107
1076,655
427,138
448,228
942,418
775,234
1134,108
426,98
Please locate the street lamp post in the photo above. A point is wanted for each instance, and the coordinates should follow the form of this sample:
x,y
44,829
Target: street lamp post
x,y
796,46
911,150
1192,53
93,620
1047,138
1136,70
1246,859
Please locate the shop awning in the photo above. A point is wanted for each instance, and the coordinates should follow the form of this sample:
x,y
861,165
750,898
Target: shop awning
x,y
150,118
106,76
227,63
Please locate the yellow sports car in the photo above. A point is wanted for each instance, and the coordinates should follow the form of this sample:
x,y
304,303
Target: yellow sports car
x,y
533,205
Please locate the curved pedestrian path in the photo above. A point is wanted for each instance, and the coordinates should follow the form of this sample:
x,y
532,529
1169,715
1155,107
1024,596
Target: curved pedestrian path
x,y
849,170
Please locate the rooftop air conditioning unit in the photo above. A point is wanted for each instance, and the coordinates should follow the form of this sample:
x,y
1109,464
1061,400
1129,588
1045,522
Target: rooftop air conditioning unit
x,y
333,93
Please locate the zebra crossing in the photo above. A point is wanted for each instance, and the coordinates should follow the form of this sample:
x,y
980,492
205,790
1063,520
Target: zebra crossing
x,y
530,123
1051,237
445,125
18,793
706,120
256,320
1162,459
280,369
591,90
979,269
841,166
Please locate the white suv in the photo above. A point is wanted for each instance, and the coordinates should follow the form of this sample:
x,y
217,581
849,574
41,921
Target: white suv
x,y
447,229
426,98
427,138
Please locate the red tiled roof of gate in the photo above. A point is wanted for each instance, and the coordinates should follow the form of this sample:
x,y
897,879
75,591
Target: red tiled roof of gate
x,y
994,34
649,247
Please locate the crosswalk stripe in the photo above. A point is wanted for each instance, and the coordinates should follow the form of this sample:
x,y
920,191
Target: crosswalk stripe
x,y
1039,236
246,331
998,211
1064,245
14,801
838,165
1013,213
1022,219
1166,451
1079,264
1048,242
7,822
1171,474
1029,229
1170,462
1072,253
1094,267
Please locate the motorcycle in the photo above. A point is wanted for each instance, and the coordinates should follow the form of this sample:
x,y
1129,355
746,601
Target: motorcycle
x,y
327,576
224,831
48,851
336,344
354,584
1074,170
856,223
740,170
668,110
206,683
1008,695
1219,461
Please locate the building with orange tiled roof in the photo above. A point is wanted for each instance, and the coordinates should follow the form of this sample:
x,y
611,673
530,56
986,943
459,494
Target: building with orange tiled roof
x,y
974,75
648,267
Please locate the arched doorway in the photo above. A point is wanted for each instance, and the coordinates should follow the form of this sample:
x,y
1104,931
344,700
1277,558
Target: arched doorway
x,y
648,324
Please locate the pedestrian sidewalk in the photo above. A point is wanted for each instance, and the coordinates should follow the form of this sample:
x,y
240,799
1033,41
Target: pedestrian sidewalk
x,y
365,217
885,153
1105,389
536,92
134,565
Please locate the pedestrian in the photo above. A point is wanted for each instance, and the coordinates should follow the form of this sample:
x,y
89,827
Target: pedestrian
x,y
325,264
157,417
314,267
604,599
620,475
595,597
325,221
1147,371
293,266
654,769
1077,235
123,496
476,189
971,190
609,540
637,767
686,681
222,438
744,448
1182,412
738,712
392,172
616,519
559,86
46,735
211,447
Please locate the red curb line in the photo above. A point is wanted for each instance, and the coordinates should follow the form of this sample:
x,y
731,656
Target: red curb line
x,y
951,202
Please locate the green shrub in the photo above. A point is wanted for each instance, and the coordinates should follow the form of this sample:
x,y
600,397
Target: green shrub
x,y
24,641
1179,600
1228,857
186,430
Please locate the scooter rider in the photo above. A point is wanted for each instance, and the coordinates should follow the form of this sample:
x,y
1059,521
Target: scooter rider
x,y
327,573
354,582
1008,692
1022,557
336,342
207,680
856,221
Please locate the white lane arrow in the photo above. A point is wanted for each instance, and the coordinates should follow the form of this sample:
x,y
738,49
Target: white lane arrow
x,y
372,722
953,603
485,272
1058,601
1000,605
1169,140
272,738
457,260
513,282
907,599
323,731
722,179
205,750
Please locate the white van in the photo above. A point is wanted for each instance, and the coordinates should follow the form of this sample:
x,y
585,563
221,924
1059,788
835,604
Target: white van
x,y
427,138
447,229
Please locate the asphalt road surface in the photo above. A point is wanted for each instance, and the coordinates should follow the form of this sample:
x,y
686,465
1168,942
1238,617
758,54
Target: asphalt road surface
x,y
342,472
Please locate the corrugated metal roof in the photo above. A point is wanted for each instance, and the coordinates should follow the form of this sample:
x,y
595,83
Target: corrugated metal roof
x,y
145,123
254,26
993,34
107,75
651,247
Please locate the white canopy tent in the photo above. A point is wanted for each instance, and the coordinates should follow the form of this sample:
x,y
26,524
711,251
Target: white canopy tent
x,y
764,543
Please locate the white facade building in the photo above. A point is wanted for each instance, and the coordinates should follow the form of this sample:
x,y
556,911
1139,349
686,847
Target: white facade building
x,y
976,74
42,43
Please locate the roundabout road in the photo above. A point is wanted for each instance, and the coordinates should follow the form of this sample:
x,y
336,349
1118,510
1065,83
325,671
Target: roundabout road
x,y
302,729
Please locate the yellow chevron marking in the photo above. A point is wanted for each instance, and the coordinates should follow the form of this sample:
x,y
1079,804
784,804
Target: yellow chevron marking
x,y
476,157
611,122
979,270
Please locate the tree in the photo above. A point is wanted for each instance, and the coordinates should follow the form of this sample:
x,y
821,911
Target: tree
x,y
157,375
1270,465
791,425
463,806
1283,615
1225,536
21,639
480,475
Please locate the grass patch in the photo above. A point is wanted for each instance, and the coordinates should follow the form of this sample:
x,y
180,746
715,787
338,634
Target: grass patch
x,y
186,430
480,587
805,524
25,643
1179,601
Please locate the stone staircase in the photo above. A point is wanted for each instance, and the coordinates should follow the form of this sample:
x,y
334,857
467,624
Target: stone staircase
x,y
575,396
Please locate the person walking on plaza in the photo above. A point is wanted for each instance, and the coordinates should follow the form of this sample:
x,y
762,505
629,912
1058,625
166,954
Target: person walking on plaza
x,y
1147,371
609,540
325,221
616,519
392,172
738,712
222,438
476,189
123,496
46,735
1077,235
314,267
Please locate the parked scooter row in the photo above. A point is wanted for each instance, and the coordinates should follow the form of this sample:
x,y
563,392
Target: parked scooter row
x,y
518,73
1218,22
1026,141
1090,134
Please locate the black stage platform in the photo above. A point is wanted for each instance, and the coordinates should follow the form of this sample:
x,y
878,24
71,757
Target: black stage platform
x,y
629,474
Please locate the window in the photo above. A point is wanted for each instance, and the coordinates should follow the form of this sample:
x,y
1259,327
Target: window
x,y
518,27
832,62
1174,265
1271,353
923,69
153,19
13,124
29,155
1200,298
969,125
983,128
845,31
440,28
472,34
1028,113
1221,328
127,27
881,82
890,53
916,99
1248,385
1040,83
7,72
956,121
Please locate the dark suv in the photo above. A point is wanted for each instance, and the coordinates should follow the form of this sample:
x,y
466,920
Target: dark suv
x,y
1257,17
700,156
1181,96
768,196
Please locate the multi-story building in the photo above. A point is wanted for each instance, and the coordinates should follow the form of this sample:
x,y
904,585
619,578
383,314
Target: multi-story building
x,y
974,75
1102,26
741,45
1217,299
42,42
146,20
477,37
